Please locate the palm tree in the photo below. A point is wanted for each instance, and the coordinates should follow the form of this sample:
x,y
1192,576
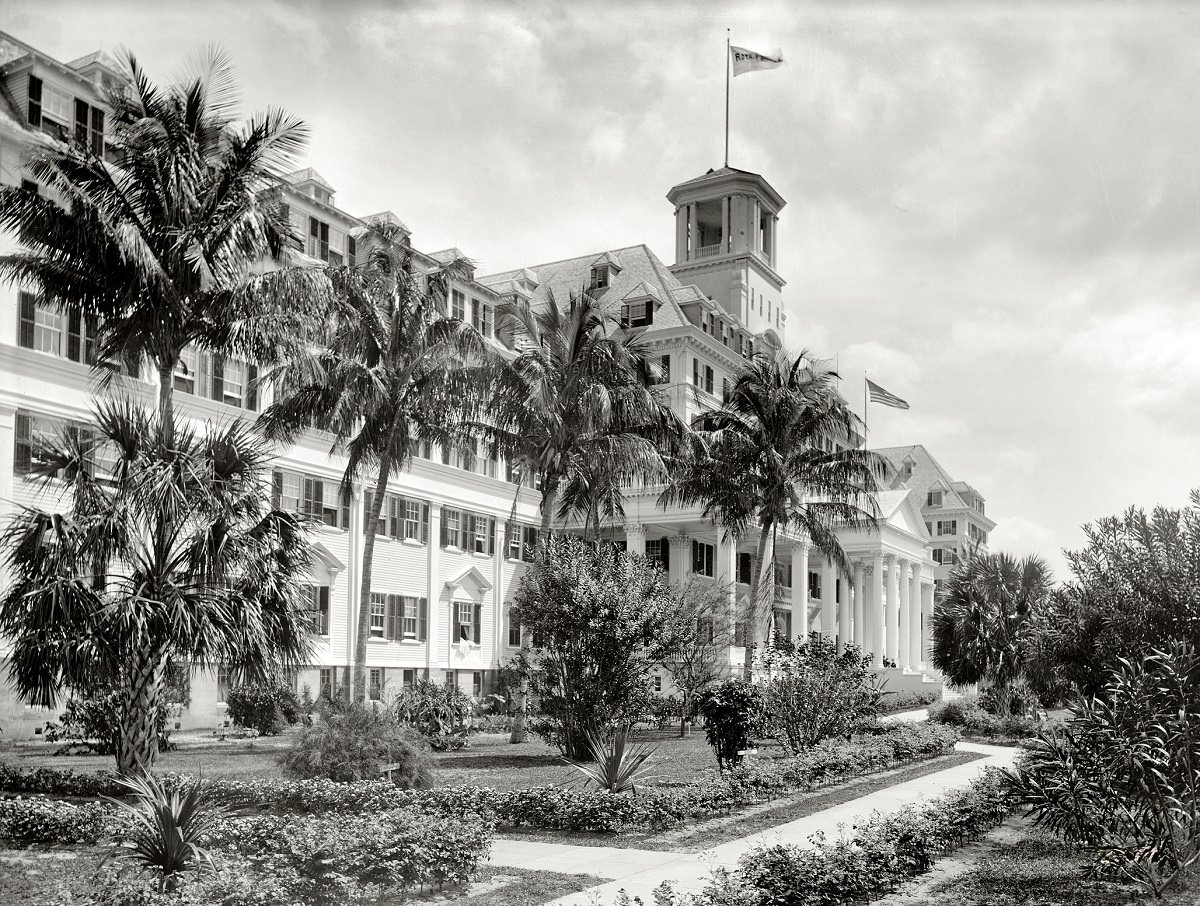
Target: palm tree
x,y
983,629
765,465
577,412
158,244
173,554
395,372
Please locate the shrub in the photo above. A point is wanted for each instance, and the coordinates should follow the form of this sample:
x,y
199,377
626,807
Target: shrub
x,y
908,701
968,716
440,713
265,707
1121,777
812,692
41,820
94,721
355,742
733,715
617,763
14,779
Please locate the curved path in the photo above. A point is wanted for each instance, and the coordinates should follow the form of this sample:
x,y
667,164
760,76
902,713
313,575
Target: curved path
x,y
638,871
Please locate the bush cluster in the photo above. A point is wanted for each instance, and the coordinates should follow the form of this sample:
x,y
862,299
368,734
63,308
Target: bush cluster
x,y
440,713
54,782
266,707
908,701
867,862
969,716
94,721
40,820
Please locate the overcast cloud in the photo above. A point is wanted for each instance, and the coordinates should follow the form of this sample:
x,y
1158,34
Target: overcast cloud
x,y
993,208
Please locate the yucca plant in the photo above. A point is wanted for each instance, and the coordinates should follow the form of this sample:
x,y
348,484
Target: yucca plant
x,y
165,828
618,762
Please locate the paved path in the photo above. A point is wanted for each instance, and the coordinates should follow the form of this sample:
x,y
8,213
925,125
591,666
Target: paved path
x,y
638,872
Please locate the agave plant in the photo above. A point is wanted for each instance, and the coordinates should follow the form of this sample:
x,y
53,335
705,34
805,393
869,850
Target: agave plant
x,y
165,827
618,763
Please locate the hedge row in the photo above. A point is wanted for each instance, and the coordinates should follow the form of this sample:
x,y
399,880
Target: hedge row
x,y
865,864
555,808
972,720
40,820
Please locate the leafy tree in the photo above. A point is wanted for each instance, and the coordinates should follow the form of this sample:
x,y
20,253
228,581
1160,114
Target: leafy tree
x,y
765,467
576,411
1135,587
174,554
703,633
733,718
601,618
158,244
811,692
393,372
984,625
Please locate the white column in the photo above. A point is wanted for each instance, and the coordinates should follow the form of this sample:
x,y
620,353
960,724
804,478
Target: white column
x,y
914,617
860,592
727,574
681,232
829,607
635,538
800,589
693,232
725,202
905,639
844,609
434,644
926,620
876,616
891,640
680,559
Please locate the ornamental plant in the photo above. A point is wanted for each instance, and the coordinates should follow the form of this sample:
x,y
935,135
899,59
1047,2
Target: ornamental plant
x,y
440,713
267,707
733,717
616,762
812,691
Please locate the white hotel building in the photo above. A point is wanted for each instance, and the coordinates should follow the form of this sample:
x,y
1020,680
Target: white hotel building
x,y
448,557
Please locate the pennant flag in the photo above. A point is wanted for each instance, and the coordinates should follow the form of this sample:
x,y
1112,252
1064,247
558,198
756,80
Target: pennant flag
x,y
879,395
749,60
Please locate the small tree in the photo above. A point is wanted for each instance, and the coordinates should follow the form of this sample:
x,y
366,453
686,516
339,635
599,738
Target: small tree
x,y
811,692
700,657
602,619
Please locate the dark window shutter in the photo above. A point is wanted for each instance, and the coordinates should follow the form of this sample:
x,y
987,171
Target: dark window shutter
x,y
491,548
74,340
477,623
35,101
368,503
393,612
424,523
97,131
251,390
422,619
442,539
91,343
218,378
81,121
28,305
276,488
323,610
344,510
351,250
23,449
665,548
314,227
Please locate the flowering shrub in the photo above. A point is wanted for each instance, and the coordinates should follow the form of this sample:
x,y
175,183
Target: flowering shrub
x,y
265,707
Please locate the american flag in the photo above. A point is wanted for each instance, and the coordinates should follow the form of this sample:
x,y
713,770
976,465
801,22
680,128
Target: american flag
x,y
879,395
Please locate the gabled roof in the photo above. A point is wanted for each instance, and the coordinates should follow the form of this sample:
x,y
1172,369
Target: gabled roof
x,y
927,473
610,259
100,57
641,291
308,174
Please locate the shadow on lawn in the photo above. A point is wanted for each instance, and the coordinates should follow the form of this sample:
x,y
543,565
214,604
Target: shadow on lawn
x,y
484,760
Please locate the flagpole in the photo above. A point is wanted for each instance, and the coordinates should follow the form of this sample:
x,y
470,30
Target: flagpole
x,y
727,53
864,412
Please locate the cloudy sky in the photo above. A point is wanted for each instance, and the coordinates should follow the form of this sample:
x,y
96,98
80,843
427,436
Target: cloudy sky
x,y
993,208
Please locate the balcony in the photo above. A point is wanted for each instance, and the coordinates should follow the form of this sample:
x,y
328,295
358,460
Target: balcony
x,y
708,251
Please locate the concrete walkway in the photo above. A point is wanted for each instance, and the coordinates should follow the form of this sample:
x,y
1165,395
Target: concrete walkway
x,y
638,872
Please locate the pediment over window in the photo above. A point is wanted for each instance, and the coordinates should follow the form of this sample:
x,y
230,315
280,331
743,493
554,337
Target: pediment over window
x,y
323,558
473,584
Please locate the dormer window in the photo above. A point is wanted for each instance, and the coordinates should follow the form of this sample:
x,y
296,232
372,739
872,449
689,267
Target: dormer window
x,y
599,278
637,314
933,498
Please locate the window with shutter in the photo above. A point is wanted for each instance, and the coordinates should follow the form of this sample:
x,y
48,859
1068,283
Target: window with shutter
x,y
477,623
423,620
35,102
81,121
27,319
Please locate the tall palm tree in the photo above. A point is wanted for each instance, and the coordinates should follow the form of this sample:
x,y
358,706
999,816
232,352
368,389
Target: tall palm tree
x,y
765,465
395,371
159,243
175,554
984,627
577,411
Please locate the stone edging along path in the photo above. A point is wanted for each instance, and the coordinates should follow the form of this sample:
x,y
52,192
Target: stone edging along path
x,y
638,872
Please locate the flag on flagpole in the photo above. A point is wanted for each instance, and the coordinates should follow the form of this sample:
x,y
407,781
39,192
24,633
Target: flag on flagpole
x,y
745,60
879,395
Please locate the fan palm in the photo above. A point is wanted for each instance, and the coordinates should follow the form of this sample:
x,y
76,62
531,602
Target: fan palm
x,y
159,244
577,412
175,553
983,628
395,372
765,465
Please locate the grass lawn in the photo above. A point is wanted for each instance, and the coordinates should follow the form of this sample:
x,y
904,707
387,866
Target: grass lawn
x,y
513,887
1020,865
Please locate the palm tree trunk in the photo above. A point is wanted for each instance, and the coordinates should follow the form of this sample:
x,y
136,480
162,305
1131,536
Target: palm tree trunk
x,y
364,591
758,575
519,733
138,744
166,401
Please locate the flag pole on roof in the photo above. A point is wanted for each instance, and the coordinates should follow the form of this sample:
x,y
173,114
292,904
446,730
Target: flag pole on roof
x,y
873,393
738,61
